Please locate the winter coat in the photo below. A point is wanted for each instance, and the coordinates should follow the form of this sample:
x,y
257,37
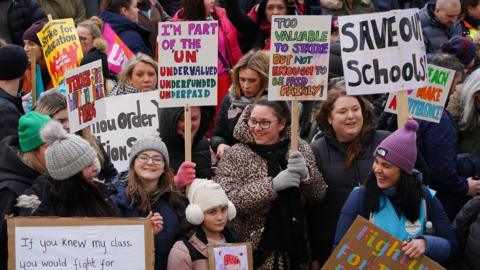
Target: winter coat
x,y
434,33
339,7
135,36
175,143
171,6
15,178
171,220
438,145
243,174
20,16
11,110
227,118
467,229
98,53
439,246
249,31
63,9
149,17
191,251
340,180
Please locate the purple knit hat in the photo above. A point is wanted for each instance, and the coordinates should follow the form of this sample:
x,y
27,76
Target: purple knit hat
x,y
400,148
462,47
31,32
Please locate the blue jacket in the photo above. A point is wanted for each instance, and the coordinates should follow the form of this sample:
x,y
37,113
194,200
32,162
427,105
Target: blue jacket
x,y
171,221
135,36
438,145
440,246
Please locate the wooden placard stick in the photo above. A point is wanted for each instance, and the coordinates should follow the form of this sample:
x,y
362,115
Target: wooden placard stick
x,y
188,133
402,108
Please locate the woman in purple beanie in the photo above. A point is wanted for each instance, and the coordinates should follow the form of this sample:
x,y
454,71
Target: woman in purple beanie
x,y
394,199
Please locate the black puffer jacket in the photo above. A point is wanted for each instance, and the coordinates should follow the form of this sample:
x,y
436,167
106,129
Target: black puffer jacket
x,y
20,16
175,143
467,228
340,180
10,111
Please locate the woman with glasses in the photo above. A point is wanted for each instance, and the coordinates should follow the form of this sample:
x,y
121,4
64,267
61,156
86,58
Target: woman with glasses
x,y
148,187
269,185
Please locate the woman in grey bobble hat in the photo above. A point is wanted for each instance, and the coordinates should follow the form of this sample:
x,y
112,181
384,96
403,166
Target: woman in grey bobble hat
x,y
147,188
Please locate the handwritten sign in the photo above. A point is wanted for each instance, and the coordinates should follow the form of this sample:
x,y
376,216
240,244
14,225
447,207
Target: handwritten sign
x,y
383,52
366,246
80,243
86,91
299,57
129,117
61,48
118,53
230,256
427,103
187,61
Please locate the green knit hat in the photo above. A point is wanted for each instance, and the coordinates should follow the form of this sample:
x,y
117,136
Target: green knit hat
x,y
29,126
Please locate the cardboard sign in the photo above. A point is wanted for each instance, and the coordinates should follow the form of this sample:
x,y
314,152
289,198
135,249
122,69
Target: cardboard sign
x,y
80,243
129,117
299,57
85,93
187,61
231,256
118,53
366,246
383,52
61,48
427,103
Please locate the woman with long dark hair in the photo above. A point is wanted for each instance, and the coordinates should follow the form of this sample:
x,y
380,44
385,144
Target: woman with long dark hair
x,y
394,199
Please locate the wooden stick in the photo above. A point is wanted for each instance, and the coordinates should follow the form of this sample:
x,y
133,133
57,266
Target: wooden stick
x,y
188,133
33,67
402,108
49,16
294,136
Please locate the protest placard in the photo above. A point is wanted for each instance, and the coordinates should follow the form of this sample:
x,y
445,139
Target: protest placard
x,y
230,256
383,52
366,246
187,61
118,53
80,243
85,93
128,118
427,103
61,48
299,57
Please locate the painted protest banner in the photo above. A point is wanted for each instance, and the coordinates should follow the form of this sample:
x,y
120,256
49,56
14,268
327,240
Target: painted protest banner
x,y
129,117
427,103
366,246
230,256
118,53
61,48
383,52
80,243
85,93
187,57
299,57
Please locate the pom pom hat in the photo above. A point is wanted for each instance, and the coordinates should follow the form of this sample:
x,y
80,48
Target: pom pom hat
x,y
149,143
204,195
400,148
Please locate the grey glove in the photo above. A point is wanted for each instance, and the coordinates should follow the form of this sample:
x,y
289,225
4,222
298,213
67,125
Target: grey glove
x,y
285,179
296,164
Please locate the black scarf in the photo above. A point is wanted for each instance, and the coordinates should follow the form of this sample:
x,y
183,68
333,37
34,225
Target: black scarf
x,y
284,229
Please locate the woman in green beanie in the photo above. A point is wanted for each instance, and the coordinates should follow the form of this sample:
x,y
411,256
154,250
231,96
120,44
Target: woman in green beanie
x,y
21,163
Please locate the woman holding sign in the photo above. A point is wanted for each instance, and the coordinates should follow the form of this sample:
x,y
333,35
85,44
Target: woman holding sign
x,y
394,199
269,185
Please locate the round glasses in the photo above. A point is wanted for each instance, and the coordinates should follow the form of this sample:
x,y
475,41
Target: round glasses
x,y
264,124
157,160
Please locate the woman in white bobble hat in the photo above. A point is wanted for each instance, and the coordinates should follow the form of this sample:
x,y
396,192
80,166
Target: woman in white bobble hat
x,y
208,213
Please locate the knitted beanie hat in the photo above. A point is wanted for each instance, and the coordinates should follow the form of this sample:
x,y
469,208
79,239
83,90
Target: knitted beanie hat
x,y
67,154
462,47
400,148
149,143
13,62
31,32
29,126
204,195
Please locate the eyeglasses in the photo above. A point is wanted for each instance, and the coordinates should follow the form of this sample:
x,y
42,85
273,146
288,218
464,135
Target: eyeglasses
x,y
264,124
155,160
83,38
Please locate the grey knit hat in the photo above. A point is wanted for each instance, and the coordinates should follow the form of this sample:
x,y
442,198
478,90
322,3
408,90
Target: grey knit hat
x,y
149,143
66,154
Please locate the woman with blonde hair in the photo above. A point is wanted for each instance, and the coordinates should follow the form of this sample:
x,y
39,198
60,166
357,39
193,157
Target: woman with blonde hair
x,y
250,81
140,74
